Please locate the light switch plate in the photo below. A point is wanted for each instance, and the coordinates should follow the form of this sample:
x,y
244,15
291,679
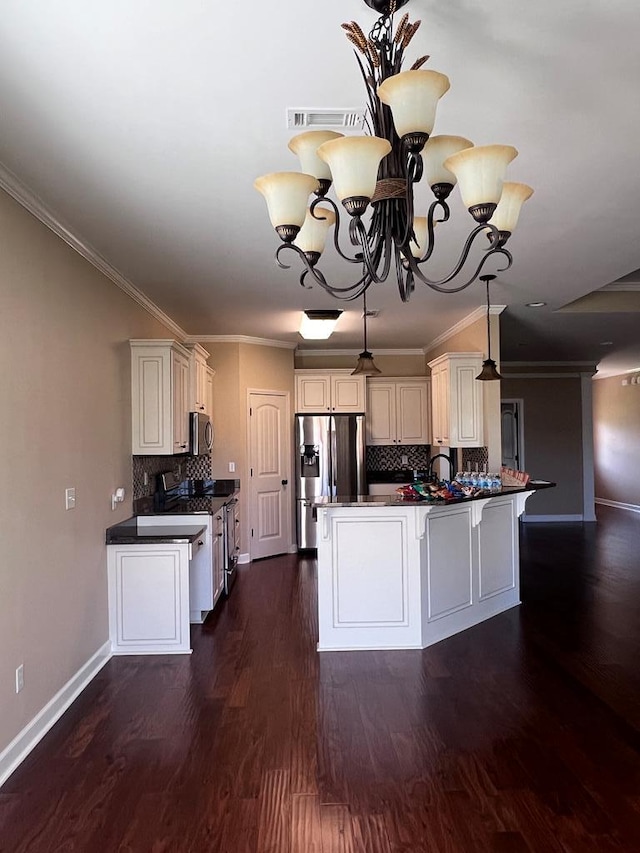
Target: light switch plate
x,y
69,498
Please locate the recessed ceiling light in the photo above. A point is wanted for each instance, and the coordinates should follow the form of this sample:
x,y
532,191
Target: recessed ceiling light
x,y
606,343
536,304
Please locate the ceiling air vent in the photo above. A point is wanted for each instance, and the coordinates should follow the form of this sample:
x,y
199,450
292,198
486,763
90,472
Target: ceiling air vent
x,y
339,118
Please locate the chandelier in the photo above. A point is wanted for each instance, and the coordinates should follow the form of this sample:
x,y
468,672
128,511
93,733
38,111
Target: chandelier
x,y
374,177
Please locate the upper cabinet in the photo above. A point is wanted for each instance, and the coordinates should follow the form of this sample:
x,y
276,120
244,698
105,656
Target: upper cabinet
x,y
209,396
456,400
198,388
329,391
398,411
160,397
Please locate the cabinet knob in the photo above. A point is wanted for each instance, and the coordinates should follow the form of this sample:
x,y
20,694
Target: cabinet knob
x,y
200,542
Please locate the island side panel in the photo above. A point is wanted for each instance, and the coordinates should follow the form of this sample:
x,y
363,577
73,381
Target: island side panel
x,y
369,587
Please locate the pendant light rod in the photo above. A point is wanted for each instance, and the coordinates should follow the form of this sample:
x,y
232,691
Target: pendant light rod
x,y
489,370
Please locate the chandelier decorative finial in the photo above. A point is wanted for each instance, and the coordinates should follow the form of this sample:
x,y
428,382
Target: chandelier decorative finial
x,y
374,176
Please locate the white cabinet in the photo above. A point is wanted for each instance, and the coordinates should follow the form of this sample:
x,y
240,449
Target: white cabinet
x,y
159,398
398,411
198,385
334,391
456,400
149,598
209,393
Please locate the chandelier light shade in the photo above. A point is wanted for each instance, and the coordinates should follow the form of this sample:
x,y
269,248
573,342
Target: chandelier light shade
x,y
413,97
287,195
419,242
306,145
508,210
480,172
489,372
374,176
313,234
354,163
436,151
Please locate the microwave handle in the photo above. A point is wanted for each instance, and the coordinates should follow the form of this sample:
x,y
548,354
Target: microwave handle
x,y
208,435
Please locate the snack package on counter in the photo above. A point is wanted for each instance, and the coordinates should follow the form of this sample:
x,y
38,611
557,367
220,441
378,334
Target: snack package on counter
x,y
409,493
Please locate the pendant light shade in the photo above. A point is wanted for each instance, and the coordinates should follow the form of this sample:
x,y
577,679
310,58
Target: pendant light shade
x,y
365,365
489,371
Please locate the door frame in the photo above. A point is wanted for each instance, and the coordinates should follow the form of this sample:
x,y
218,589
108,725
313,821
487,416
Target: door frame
x,y
519,404
288,459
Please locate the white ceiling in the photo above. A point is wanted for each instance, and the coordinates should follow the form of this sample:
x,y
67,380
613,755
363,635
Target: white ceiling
x,y
142,124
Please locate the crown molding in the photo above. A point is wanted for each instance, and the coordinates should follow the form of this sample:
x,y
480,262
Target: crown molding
x,y
470,319
628,286
378,352
34,204
238,339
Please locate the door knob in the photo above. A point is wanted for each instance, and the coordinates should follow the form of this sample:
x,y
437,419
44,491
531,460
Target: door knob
x,y
284,482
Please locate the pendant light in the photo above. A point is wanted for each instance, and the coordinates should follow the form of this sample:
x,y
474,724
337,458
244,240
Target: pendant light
x,y
365,365
489,370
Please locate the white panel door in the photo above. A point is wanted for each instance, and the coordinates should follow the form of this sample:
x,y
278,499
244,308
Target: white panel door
x,y
270,504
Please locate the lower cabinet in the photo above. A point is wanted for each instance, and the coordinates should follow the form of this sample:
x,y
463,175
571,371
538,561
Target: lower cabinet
x,y
149,598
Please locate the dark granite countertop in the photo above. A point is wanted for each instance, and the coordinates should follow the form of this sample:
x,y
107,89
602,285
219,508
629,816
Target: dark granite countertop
x,y
128,533
400,475
395,499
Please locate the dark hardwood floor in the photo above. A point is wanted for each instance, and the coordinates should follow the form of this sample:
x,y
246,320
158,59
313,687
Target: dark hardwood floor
x,y
521,735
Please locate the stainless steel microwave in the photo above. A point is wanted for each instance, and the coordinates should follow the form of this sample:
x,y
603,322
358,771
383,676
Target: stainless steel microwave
x,y
200,434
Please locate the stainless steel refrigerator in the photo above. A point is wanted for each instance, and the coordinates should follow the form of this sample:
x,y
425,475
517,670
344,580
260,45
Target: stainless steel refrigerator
x,y
330,461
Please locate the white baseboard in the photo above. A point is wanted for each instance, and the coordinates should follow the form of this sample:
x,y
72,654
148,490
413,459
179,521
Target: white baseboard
x,y
244,558
540,519
293,549
33,732
618,505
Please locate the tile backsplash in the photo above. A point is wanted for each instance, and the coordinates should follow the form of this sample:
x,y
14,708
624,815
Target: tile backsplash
x,y
187,468
388,457
472,456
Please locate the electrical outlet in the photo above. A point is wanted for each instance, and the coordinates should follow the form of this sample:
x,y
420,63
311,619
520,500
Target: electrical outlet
x,y
232,467
404,460
145,479
69,498
19,678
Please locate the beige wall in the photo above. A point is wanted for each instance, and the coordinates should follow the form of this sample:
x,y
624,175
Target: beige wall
x,y
552,440
241,368
65,420
616,414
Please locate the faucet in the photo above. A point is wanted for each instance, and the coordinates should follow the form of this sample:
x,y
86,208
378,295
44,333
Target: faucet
x,y
441,456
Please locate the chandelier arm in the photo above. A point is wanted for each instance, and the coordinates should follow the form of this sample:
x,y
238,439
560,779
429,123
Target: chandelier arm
x,y
367,260
404,277
358,286
437,285
336,229
431,227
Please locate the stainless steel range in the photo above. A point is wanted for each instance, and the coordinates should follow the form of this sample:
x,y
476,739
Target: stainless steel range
x,y
211,497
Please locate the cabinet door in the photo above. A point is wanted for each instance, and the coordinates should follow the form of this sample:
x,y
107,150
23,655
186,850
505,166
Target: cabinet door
x,y
348,393
381,413
180,375
200,402
151,401
440,404
210,373
313,394
466,405
218,556
412,419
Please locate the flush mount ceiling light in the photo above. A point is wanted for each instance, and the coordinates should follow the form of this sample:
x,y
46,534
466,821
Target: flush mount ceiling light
x,y
374,178
489,370
318,325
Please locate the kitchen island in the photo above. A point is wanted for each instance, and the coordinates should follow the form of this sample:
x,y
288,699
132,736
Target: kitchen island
x,y
401,574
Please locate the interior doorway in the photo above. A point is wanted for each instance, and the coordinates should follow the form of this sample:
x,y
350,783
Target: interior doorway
x,y
512,425
269,474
